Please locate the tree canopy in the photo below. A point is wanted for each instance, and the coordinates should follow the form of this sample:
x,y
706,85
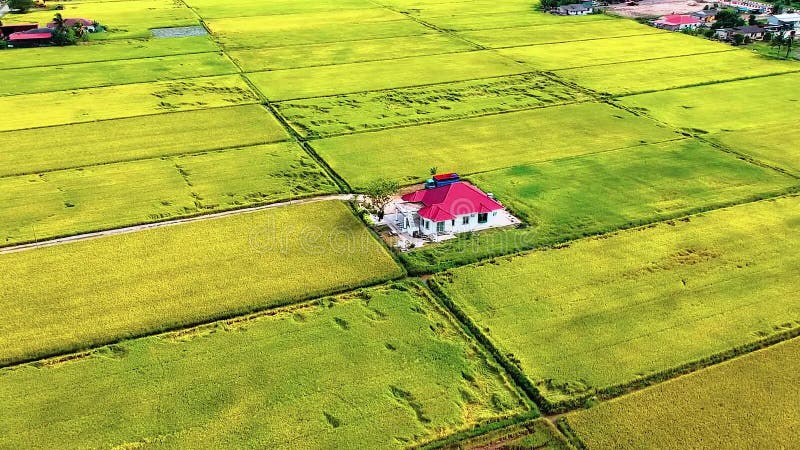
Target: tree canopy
x,y
728,18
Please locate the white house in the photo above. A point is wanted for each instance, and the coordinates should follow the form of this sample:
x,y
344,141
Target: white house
x,y
455,208
575,9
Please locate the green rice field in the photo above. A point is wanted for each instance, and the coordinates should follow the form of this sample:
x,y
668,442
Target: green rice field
x,y
501,20
462,145
770,145
223,384
192,254
561,32
347,113
371,76
92,75
610,51
92,198
129,100
112,50
211,9
626,78
751,401
687,108
312,28
150,281
137,138
647,300
571,198
334,53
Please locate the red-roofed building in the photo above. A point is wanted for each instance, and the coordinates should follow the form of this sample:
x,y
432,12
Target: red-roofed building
x,y
69,23
677,22
455,208
33,37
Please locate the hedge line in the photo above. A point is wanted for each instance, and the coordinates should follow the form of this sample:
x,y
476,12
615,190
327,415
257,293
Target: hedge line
x,y
566,430
453,440
513,371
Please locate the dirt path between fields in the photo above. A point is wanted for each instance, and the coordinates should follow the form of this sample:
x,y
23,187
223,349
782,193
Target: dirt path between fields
x,y
147,226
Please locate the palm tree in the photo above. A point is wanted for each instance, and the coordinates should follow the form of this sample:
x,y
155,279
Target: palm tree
x,y
58,21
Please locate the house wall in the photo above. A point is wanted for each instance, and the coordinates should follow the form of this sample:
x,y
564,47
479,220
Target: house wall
x,y
428,227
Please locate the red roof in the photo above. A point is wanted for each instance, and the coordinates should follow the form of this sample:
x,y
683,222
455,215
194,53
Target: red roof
x,y
447,202
72,21
445,176
678,19
39,33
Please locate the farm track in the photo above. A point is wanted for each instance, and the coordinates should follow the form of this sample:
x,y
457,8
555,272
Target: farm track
x,y
147,226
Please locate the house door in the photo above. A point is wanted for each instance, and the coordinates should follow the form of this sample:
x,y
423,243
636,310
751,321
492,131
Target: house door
x,y
440,227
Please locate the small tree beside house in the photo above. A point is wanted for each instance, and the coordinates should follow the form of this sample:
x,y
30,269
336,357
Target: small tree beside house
x,y
378,195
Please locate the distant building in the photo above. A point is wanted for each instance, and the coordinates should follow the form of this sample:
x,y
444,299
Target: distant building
x,y
677,22
31,38
755,33
786,21
786,25
453,208
87,24
575,9
706,15
8,30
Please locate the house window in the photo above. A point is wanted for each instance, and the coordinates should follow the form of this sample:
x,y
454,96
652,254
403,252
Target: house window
x,y
483,217
427,225
453,223
440,227
465,220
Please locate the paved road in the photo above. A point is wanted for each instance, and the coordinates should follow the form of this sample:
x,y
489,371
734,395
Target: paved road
x,y
133,229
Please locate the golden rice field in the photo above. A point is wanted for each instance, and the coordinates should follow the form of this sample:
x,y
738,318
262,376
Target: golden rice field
x,y
107,196
751,402
259,260
655,175
127,100
648,300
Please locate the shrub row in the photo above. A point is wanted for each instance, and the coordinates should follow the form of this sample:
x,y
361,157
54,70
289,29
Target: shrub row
x,y
513,371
